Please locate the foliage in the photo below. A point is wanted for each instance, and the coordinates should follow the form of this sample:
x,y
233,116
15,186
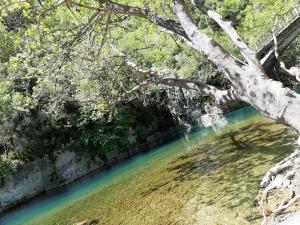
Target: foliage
x,y
5,168
259,17
58,72
112,131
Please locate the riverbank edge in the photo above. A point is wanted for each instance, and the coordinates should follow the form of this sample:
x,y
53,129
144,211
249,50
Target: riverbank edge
x,y
40,176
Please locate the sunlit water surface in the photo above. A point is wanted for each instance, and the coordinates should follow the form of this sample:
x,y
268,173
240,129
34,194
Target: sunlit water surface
x,y
213,179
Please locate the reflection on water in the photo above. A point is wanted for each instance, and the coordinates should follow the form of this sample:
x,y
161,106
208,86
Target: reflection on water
x,y
216,182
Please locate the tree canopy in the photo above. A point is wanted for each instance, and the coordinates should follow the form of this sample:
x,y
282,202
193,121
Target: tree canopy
x,y
59,71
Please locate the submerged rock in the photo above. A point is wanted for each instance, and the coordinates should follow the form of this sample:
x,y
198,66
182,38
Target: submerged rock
x,y
88,222
82,223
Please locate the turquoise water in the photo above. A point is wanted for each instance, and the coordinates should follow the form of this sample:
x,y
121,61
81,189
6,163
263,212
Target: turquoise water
x,y
79,189
143,178
82,188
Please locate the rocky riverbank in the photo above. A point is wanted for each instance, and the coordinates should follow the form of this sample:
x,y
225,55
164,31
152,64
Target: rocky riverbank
x,y
41,175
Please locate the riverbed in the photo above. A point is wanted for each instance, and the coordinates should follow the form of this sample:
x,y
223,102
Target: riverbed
x,y
207,179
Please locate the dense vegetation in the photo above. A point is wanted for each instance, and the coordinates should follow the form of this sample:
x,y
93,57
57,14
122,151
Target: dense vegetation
x,y
58,73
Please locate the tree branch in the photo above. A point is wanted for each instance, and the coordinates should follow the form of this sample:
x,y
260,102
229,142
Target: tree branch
x,y
168,25
248,54
209,47
220,96
82,31
127,94
117,8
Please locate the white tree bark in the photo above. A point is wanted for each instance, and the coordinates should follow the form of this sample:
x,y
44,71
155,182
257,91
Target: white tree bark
x,y
221,97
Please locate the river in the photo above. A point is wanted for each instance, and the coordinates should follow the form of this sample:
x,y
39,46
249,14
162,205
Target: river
x,y
213,179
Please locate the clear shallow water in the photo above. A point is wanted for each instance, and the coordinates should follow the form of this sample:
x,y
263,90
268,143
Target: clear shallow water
x,y
212,180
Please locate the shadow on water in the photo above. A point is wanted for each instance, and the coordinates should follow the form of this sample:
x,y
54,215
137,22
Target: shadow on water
x,y
232,164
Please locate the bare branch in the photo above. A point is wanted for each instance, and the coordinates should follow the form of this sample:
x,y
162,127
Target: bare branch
x,y
82,31
285,205
227,64
117,8
227,27
129,93
153,76
104,35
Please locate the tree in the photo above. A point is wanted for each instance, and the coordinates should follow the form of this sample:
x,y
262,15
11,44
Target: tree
x,y
249,82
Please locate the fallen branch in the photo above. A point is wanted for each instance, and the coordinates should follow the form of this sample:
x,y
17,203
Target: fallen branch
x,y
283,165
285,205
283,176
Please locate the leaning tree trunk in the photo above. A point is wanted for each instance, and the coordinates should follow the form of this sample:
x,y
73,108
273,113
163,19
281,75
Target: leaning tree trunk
x,y
268,96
